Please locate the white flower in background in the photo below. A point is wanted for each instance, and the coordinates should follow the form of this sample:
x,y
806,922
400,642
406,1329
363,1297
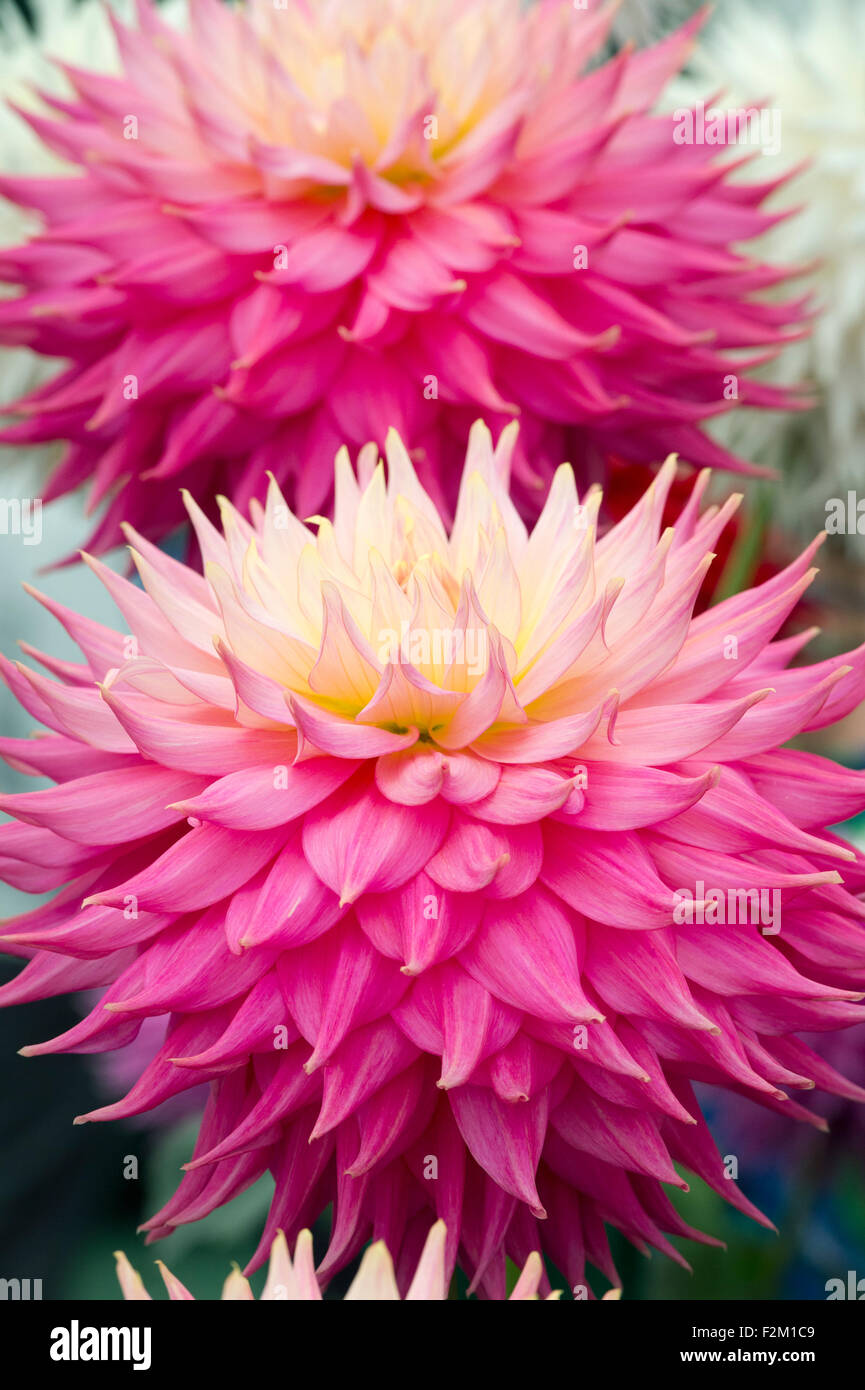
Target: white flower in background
x,y
808,63
643,21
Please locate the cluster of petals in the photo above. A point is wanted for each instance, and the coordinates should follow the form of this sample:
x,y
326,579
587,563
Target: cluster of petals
x,y
290,227
375,1282
392,822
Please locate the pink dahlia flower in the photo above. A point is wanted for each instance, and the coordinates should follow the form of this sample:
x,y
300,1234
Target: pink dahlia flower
x,y
375,1281
398,823
298,225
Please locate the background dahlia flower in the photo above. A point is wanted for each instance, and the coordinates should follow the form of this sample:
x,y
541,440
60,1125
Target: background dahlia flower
x,y
395,825
81,33
641,21
804,62
375,1281
297,226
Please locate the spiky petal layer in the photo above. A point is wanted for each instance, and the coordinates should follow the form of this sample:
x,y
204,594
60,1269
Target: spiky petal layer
x,y
82,33
375,1282
395,825
298,226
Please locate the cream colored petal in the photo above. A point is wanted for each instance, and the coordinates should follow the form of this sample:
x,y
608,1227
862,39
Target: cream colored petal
x,y
236,1289
336,566
131,1283
374,521
281,1283
526,1287
375,1281
308,1287
280,605
271,653
498,589
430,1283
403,482
210,540
346,501
282,540
177,1292
391,605
477,520
406,700
557,577
627,546
237,531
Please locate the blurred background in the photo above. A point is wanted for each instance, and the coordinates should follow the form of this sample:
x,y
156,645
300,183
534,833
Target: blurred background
x,y
69,1196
